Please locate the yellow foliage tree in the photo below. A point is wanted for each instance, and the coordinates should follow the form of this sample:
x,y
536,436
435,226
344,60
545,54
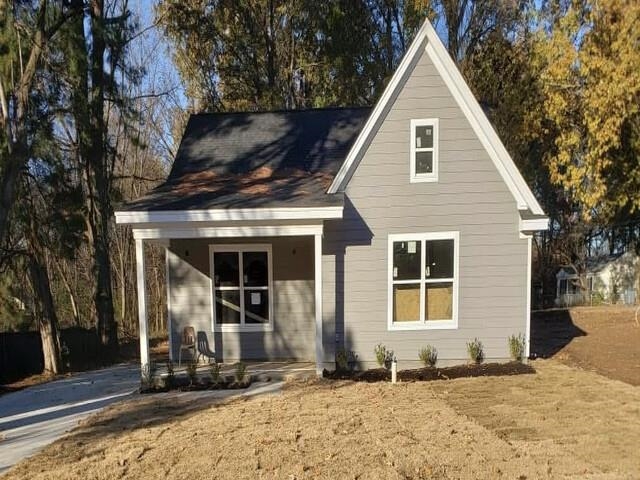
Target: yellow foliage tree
x,y
589,85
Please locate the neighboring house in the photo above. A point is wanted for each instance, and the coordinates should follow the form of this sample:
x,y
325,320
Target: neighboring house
x,y
292,234
607,279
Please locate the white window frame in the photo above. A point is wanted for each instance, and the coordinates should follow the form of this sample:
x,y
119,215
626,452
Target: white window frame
x,y
239,249
423,324
424,177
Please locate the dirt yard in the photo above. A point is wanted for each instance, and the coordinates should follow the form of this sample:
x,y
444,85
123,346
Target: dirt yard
x,y
560,422
603,339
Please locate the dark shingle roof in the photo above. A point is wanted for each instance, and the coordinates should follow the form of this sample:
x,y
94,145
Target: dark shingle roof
x,y
253,160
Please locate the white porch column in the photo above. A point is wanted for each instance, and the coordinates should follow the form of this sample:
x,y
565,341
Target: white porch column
x,y
142,303
318,302
167,264
527,347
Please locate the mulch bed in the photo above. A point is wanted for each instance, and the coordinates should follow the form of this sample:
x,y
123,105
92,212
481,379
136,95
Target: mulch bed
x,y
427,374
183,385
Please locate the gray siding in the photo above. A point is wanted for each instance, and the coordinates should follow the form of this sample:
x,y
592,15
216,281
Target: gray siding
x,y
469,197
293,336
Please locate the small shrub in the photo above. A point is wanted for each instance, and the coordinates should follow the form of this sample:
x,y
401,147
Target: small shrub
x,y
475,350
341,359
170,380
215,369
346,360
192,372
148,375
389,358
381,354
428,356
241,372
516,347
352,360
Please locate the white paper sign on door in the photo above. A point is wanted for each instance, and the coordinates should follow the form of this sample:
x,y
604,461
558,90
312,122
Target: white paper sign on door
x,y
411,247
255,298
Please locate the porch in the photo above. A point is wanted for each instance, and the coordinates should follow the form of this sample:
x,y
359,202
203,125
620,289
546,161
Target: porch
x,y
271,320
259,371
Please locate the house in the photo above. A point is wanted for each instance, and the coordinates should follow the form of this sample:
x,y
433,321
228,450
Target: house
x,y
607,279
292,234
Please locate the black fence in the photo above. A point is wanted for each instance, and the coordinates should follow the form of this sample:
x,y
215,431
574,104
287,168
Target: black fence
x,y
21,352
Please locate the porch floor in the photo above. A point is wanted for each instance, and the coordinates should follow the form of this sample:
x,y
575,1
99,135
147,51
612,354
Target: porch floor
x,y
260,371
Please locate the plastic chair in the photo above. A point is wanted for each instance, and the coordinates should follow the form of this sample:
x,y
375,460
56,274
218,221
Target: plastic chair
x,y
188,343
203,348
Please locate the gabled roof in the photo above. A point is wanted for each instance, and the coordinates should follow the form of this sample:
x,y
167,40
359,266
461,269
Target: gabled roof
x,y
257,160
427,40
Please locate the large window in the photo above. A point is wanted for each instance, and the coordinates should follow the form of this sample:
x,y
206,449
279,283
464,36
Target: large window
x,y
242,287
423,283
424,150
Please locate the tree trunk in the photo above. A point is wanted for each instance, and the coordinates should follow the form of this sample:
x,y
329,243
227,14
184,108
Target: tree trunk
x,y
46,314
89,86
12,164
72,297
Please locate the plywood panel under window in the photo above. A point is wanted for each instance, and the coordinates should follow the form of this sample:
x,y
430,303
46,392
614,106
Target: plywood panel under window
x,y
406,303
439,301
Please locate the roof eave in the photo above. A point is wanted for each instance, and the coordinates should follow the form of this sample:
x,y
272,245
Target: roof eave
x,y
133,217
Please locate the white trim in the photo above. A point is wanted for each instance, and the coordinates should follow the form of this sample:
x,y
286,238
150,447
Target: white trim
x,y
422,324
142,304
534,224
423,177
527,348
226,215
167,280
169,231
240,248
318,301
464,97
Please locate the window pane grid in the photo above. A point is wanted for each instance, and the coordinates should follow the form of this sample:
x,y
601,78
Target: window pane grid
x,y
406,282
439,280
437,296
424,150
241,271
254,315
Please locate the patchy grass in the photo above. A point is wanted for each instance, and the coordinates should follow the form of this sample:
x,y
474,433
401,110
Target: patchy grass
x,y
557,423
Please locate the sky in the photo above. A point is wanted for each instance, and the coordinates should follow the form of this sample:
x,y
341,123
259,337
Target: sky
x,y
152,51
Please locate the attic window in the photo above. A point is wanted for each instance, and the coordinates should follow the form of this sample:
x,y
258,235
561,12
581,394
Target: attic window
x,y
424,150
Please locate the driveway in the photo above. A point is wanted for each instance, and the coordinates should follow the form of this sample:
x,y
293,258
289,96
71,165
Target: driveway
x,y
35,417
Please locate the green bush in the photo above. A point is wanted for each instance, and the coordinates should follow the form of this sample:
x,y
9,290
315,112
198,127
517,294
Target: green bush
x,y
428,356
192,372
170,380
475,350
341,359
516,347
381,354
215,369
389,358
346,359
241,372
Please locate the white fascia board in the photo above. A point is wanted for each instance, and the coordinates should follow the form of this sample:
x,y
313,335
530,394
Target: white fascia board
x,y
227,215
534,224
171,231
452,77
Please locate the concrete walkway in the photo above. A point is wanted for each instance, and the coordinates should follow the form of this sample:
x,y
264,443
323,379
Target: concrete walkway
x,y
35,417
